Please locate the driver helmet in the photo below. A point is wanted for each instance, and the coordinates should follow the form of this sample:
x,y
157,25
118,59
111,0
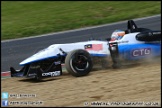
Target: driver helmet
x,y
117,34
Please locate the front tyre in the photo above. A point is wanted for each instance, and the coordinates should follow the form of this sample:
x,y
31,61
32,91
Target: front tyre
x,y
78,62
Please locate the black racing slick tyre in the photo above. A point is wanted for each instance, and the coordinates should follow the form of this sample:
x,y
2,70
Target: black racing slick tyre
x,y
78,63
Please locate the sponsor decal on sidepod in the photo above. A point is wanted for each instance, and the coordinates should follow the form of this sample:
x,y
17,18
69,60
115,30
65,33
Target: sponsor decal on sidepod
x,y
141,52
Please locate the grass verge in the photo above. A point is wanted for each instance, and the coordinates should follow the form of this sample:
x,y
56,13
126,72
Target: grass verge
x,y
29,18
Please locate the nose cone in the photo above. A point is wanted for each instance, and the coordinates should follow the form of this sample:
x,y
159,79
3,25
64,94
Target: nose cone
x,y
49,52
36,57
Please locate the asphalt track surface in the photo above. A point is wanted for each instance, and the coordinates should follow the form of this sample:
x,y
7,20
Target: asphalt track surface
x,y
15,51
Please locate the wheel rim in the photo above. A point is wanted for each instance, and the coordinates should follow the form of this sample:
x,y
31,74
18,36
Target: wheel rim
x,y
79,62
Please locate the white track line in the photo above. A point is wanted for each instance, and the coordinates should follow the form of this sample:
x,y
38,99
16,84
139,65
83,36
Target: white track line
x,y
5,72
86,28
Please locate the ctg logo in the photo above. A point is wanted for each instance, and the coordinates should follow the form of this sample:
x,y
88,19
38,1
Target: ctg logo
x,y
141,52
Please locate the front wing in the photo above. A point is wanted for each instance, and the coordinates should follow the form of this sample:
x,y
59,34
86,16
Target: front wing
x,y
35,71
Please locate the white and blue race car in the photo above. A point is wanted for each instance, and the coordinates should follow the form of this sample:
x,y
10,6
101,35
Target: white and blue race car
x,y
131,44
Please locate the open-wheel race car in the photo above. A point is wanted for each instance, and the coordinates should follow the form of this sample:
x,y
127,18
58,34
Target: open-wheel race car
x,y
131,44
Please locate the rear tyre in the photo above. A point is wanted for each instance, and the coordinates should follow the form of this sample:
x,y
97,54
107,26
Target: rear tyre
x,y
78,63
116,66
